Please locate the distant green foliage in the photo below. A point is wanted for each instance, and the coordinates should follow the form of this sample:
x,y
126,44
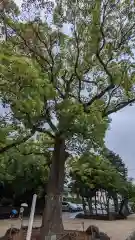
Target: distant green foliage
x,y
95,171
92,171
117,162
25,169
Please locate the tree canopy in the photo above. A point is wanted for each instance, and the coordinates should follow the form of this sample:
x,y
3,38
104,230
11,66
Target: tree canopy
x,y
97,179
65,83
95,172
71,75
116,161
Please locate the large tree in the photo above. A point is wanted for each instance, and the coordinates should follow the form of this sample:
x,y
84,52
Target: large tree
x,y
65,83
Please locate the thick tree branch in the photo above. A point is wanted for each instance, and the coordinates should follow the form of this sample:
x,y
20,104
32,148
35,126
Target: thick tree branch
x,y
104,67
118,107
42,130
49,51
75,73
46,47
68,85
44,116
111,86
98,96
32,50
110,97
125,36
102,28
16,143
49,121
77,62
90,82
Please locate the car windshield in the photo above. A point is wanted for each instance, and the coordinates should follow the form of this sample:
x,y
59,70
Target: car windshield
x,y
72,204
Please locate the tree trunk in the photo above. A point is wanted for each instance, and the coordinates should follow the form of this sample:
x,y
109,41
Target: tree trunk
x,y
108,207
101,201
52,215
90,205
95,203
116,205
105,200
84,206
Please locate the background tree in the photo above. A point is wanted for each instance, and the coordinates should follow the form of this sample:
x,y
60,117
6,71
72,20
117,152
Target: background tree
x,y
92,173
67,84
116,161
24,170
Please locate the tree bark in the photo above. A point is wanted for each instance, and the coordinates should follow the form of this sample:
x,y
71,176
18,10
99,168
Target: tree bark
x,y
116,205
52,215
95,203
108,207
84,206
101,201
90,205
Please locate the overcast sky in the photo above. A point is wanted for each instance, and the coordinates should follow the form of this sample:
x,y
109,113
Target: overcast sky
x,y
18,1
121,136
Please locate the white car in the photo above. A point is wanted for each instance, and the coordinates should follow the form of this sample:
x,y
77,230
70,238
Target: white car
x,y
80,207
69,207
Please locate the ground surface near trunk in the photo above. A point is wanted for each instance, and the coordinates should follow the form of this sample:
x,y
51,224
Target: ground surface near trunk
x,y
92,233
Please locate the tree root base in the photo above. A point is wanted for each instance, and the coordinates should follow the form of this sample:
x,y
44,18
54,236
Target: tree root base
x,y
92,231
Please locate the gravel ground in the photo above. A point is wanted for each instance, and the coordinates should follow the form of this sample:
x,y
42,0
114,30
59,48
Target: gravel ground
x,y
117,230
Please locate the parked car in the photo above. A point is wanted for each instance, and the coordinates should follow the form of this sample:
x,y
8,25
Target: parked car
x,y
69,207
80,207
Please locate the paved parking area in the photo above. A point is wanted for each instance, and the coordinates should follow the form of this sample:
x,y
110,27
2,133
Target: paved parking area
x,y
117,230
